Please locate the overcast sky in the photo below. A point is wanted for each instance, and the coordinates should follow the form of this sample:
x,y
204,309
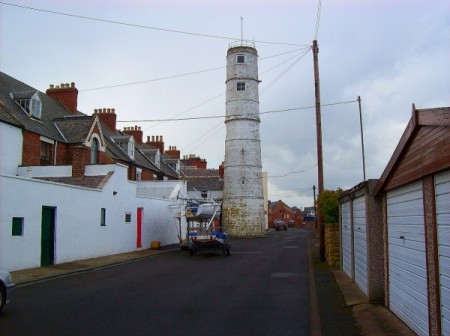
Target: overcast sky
x,y
390,53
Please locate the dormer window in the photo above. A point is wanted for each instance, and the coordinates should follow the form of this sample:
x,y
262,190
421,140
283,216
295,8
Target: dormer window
x,y
29,102
126,143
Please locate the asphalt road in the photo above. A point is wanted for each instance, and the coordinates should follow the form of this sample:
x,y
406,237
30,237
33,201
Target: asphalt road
x,y
262,288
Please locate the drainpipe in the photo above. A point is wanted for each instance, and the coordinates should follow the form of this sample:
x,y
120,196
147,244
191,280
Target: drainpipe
x,y
55,153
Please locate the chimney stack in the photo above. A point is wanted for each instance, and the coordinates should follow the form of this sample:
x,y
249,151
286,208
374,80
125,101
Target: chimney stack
x,y
158,143
66,94
135,132
108,117
173,152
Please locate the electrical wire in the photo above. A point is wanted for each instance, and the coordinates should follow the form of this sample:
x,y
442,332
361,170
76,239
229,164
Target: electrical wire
x,y
222,116
213,130
294,172
143,26
268,86
180,75
152,80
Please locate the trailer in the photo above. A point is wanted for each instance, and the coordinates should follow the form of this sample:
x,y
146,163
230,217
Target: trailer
x,y
202,234
215,241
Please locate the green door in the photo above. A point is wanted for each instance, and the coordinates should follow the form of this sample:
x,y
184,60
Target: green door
x,y
48,236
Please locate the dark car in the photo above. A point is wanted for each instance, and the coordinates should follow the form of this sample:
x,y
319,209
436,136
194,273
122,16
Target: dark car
x,y
280,225
6,288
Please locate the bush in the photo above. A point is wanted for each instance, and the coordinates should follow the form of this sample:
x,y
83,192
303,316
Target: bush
x,y
328,203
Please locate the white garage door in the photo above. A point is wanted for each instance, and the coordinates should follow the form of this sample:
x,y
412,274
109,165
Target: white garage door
x,y
360,245
346,239
407,259
443,223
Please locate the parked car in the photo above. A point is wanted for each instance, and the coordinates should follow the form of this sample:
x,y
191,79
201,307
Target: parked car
x,y
6,288
280,225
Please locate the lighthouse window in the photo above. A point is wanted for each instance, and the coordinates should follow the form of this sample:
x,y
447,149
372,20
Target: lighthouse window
x,y
240,59
241,86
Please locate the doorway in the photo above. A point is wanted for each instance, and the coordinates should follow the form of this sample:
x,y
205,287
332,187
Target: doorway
x,y
48,236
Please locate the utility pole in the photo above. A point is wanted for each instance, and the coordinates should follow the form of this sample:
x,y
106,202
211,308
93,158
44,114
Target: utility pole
x,y
362,138
315,49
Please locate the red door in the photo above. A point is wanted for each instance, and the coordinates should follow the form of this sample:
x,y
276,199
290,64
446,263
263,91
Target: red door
x,y
139,228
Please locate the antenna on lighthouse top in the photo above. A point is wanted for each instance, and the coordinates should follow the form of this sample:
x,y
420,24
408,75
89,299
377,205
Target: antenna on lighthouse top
x,y
242,29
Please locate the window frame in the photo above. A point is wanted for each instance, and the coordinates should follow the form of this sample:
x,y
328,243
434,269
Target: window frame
x,y
95,148
240,57
240,86
45,153
17,226
102,216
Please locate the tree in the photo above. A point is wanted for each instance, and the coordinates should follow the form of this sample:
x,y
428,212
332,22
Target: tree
x,y
328,203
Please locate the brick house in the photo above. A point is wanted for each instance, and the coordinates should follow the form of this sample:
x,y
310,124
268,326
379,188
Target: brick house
x,y
74,187
281,211
56,133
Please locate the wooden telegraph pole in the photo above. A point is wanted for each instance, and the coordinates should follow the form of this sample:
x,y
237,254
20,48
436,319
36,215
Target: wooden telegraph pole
x,y
320,224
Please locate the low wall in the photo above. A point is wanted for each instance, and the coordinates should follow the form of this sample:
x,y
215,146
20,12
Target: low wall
x,y
332,245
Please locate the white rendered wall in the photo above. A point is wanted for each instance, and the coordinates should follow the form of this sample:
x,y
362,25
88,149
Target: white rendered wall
x,y
243,199
78,233
11,149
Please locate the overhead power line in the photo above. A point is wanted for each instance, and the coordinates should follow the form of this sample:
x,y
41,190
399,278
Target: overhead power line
x,y
143,26
179,75
222,116
293,172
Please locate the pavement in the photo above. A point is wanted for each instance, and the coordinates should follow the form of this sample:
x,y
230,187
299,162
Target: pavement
x,y
333,285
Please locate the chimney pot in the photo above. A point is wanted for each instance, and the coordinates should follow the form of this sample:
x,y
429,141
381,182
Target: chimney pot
x,y
51,86
72,84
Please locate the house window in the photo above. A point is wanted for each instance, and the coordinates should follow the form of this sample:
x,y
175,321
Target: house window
x,y
45,153
103,217
128,217
35,107
240,59
32,105
241,86
94,151
17,226
131,149
138,175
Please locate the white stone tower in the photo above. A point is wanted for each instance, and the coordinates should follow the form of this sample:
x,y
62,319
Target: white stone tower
x,y
243,199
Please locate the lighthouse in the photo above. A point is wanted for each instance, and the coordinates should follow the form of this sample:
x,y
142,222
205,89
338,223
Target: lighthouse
x,y
243,199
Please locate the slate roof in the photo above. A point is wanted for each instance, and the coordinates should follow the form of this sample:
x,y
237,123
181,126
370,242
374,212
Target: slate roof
x,y
202,179
75,128
60,124
11,111
94,182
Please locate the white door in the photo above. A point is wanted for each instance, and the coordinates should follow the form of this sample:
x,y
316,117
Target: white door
x,y
360,245
443,226
346,239
406,257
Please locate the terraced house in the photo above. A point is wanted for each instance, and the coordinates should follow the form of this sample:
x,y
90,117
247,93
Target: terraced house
x,y
74,186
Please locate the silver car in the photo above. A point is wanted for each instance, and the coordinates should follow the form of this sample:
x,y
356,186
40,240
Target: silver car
x,y
6,288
